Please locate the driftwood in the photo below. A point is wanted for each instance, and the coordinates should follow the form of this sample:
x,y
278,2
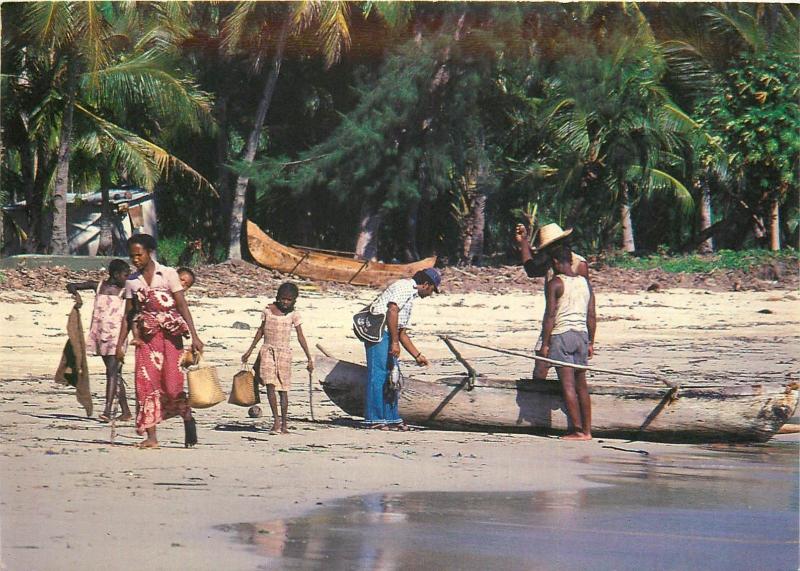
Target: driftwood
x,y
735,413
319,265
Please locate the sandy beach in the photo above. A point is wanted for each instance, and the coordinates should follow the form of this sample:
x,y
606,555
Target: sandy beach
x,y
71,499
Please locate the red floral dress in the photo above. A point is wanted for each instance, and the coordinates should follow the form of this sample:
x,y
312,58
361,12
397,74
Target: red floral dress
x,y
159,378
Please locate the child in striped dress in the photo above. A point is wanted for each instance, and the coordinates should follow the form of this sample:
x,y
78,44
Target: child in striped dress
x,y
275,356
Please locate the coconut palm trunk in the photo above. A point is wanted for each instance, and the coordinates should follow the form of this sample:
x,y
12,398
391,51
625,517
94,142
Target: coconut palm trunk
x,y
707,246
628,243
369,226
58,238
775,225
105,247
240,191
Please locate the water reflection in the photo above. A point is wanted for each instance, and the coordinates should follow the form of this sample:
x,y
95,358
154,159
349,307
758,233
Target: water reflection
x,y
731,510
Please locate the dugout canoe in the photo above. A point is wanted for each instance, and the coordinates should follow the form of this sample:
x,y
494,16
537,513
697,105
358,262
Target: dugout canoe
x,y
749,413
324,265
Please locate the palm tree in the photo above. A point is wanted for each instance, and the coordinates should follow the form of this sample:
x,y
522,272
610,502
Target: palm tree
x,y
258,29
618,130
704,46
102,65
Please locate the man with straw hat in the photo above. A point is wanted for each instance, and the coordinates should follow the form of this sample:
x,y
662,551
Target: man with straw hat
x,y
538,262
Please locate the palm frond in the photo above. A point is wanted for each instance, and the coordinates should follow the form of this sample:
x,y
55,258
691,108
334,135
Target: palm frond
x,y
147,78
739,24
305,13
94,32
655,179
235,25
138,150
50,23
334,29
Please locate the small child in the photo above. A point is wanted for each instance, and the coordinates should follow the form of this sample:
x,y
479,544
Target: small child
x,y
276,354
107,316
186,275
568,333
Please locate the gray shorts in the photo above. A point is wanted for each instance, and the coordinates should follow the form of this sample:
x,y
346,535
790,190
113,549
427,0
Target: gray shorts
x,y
570,347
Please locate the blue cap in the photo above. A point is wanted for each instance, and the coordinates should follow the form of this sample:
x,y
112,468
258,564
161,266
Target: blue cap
x,y
435,277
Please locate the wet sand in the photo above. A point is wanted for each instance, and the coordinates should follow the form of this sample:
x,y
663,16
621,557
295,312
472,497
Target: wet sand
x,y
722,509
70,498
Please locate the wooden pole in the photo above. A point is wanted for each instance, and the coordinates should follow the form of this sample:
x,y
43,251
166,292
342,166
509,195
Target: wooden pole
x,y
472,372
648,376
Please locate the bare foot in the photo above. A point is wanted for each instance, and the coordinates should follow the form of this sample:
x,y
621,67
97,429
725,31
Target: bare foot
x,y
147,443
284,430
104,417
577,436
125,416
276,427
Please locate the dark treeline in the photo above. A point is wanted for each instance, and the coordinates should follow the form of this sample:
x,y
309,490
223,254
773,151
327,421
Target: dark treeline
x,y
397,130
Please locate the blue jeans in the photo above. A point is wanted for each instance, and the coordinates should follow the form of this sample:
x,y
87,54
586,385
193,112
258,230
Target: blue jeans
x,y
377,410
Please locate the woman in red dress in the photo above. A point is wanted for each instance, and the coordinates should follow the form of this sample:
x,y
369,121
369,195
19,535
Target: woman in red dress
x,y
162,320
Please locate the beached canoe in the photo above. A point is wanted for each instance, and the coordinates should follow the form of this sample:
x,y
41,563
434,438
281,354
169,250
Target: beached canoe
x,y
321,265
751,413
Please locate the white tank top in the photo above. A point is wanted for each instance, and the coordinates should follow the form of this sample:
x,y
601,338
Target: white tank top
x,y
577,260
573,305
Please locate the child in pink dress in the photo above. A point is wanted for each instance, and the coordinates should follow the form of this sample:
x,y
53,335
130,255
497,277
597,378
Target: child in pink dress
x,y
275,356
109,307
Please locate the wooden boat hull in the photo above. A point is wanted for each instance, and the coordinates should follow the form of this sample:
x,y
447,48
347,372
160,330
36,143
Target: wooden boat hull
x,y
321,266
739,413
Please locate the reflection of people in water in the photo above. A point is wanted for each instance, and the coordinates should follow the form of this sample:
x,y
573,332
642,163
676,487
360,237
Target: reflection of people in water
x,y
380,509
268,538
379,549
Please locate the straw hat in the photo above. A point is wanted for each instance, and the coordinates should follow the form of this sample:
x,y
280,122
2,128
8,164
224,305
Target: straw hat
x,y
551,233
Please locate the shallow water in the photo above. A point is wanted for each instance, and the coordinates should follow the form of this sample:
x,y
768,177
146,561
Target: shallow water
x,y
727,507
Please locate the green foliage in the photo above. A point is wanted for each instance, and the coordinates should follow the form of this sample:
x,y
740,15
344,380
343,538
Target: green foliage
x,y
546,107
171,248
721,260
757,118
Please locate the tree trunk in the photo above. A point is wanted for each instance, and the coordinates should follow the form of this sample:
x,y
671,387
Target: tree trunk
x,y
28,171
38,234
240,192
707,247
368,229
410,251
628,244
105,246
473,249
223,175
58,239
476,191
775,225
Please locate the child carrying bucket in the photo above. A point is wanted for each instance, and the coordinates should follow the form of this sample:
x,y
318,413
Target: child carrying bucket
x,y
275,355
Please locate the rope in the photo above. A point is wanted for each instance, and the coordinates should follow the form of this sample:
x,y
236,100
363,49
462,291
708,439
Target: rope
x,y
563,364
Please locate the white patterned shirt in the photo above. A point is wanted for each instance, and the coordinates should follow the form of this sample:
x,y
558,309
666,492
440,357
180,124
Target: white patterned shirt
x,y
402,293
164,278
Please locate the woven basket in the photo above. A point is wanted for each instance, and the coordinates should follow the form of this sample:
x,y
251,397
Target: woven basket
x,y
204,388
244,391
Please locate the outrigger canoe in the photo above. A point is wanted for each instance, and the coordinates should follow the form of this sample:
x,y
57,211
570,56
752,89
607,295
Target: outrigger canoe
x,y
325,264
750,413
